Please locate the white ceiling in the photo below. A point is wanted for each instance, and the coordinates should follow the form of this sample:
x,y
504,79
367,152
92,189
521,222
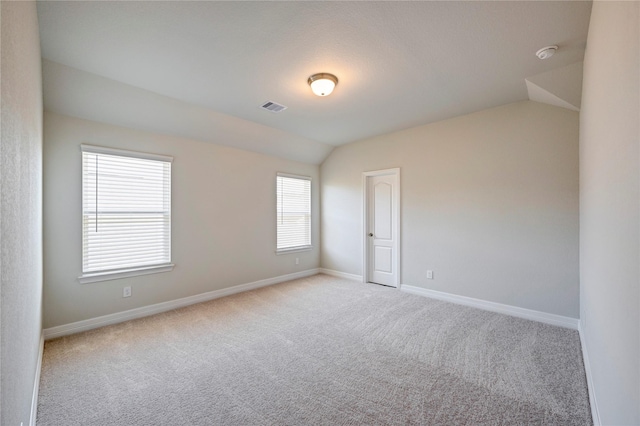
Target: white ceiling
x,y
399,64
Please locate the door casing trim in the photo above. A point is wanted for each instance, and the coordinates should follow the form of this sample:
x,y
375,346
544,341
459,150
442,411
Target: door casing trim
x,y
396,224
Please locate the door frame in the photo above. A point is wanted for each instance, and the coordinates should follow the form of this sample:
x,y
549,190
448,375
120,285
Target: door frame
x,y
396,222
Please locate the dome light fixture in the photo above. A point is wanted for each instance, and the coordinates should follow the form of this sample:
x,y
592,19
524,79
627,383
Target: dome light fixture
x,y
322,84
546,52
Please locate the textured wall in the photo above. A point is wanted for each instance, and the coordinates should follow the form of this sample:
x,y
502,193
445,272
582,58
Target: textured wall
x,y
20,209
610,211
223,220
489,203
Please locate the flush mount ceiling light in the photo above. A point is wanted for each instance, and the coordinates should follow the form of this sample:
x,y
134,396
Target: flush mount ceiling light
x,y
322,84
546,52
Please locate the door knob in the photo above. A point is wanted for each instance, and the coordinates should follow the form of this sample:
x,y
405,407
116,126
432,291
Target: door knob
x,y
370,234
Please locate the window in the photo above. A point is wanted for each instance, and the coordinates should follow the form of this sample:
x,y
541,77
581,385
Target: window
x,y
293,212
126,213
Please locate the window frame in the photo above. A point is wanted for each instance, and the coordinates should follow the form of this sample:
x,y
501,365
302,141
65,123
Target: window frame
x,y
123,272
300,248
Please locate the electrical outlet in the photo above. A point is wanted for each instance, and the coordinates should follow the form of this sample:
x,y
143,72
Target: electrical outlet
x,y
126,292
297,260
429,275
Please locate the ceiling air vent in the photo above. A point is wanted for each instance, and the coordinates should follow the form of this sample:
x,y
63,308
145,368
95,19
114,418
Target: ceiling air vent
x,y
273,107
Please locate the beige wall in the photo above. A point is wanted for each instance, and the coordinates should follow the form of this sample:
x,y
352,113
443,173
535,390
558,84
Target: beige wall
x,y
20,210
223,213
489,203
610,211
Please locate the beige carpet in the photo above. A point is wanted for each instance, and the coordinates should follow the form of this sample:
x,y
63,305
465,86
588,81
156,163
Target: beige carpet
x,y
317,351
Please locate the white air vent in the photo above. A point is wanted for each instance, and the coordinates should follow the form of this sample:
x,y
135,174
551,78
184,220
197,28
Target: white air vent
x,y
273,107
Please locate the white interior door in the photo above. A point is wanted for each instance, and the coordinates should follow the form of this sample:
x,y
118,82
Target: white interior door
x,y
382,228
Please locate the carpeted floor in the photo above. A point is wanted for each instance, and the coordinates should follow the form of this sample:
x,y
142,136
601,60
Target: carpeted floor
x,y
317,351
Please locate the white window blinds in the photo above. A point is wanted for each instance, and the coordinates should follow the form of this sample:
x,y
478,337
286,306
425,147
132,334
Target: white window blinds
x,y
293,212
126,210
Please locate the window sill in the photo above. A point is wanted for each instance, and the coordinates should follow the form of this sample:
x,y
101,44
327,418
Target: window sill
x,y
293,250
123,273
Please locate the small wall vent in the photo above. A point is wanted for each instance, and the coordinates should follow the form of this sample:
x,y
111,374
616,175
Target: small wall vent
x,y
273,107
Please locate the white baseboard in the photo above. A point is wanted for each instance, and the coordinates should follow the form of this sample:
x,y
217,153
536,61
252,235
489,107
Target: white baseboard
x,y
76,327
36,383
515,311
595,414
341,274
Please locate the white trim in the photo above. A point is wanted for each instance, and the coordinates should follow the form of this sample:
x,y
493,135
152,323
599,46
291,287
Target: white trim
x,y
293,250
125,153
500,308
289,175
595,414
89,324
396,225
339,274
115,275
36,383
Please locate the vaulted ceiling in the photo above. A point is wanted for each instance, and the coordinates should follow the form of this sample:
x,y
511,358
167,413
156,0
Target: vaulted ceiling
x,y
202,69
